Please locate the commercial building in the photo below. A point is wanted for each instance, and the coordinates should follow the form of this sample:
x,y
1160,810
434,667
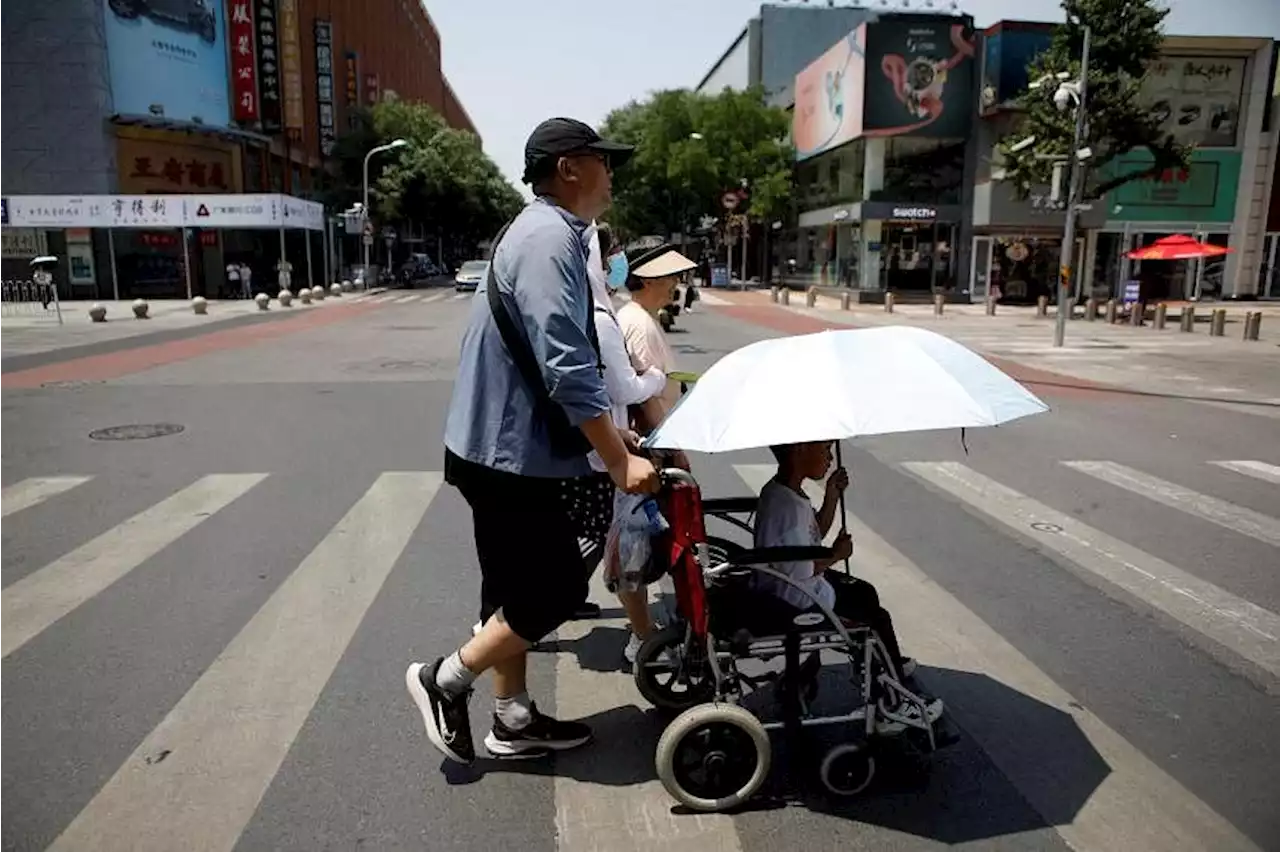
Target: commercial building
x,y
127,97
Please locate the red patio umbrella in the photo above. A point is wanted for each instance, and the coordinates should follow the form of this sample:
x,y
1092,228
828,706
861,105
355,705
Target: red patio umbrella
x,y
1177,247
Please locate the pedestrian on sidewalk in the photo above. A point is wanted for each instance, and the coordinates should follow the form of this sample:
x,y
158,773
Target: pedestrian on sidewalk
x,y
246,281
529,403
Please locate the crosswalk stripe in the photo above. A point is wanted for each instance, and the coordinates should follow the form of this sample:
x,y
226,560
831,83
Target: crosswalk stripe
x,y
1228,515
34,491
38,600
1137,807
1244,628
436,297
403,299
225,740
1256,469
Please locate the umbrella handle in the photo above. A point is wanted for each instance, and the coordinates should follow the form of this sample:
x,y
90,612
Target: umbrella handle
x,y
844,522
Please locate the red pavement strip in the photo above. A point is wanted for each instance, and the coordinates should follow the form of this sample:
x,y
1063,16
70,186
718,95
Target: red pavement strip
x,y
790,322
113,365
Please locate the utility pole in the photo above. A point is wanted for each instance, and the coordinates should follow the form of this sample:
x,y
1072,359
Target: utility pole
x,y
1065,270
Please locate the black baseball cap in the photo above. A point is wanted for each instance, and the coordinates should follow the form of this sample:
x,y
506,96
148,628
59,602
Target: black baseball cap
x,y
557,137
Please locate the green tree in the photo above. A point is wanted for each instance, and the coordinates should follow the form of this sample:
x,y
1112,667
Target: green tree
x,y
690,150
442,180
1125,36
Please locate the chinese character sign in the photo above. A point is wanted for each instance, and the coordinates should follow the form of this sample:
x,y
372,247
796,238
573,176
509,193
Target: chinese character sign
x,y
371,91
244,63
291,65
353,87
324,87
269,90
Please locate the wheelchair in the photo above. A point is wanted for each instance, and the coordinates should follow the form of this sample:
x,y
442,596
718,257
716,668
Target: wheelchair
x,y
715,755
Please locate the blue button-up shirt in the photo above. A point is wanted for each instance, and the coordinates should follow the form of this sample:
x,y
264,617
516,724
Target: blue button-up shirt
x,y
540,269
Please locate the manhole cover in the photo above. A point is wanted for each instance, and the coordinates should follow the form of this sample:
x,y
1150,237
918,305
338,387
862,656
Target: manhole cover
x,y
136,432
1043,526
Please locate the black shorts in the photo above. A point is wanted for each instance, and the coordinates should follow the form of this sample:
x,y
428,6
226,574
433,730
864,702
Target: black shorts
x,y
531,564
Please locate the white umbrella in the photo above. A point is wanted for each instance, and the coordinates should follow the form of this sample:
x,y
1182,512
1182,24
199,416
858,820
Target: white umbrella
x,y
835,385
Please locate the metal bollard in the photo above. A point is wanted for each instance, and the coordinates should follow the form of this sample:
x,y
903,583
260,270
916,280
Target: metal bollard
x,y
1252,325
1090,309
811,297
1218,322
1161,310
990,306
888,303
1042,306
938,301
846,299
786,297
1111,311
1188,319
773,294
1137,314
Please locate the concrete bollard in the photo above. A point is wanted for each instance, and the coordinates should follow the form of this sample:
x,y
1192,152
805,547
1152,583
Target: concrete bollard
x,y
846,299
347,286
991,306
1137,314
98,312
336,290
1161,311
786,296
286,298
1252,325
775,293
317,293
1218,322
938,301
1042,306
304,295
140,308
1187,320
200,305
263,300
1112,310
888,303
811,298
1090,310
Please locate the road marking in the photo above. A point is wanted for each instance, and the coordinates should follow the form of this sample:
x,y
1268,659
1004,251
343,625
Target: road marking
x,y
632,818
34,491
712,300
1135,807
1256,469
225,740
437,297
36,601
1244,628
400,300
1227,515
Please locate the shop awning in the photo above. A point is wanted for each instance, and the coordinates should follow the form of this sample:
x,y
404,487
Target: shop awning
x,y
227,210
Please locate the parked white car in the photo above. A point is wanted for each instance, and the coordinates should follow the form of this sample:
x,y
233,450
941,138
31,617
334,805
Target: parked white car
x,y
470,275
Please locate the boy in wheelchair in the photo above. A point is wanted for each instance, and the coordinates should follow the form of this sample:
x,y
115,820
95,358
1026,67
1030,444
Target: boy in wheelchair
x,y
786,518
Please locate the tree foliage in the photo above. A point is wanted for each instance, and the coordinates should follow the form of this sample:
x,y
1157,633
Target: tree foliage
x,y
691,149
1125,37
441,180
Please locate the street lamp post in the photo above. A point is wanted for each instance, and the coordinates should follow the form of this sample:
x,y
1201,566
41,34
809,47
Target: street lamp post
x,y
364,240
1078,93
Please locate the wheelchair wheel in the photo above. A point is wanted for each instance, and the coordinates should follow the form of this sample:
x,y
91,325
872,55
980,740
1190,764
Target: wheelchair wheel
x,y
671,676
847,769
713,757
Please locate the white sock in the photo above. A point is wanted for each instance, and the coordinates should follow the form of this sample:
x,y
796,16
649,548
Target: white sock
x,y
515,712
453,677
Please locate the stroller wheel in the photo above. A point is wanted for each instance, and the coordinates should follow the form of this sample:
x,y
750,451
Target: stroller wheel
x,y
713,757
847,769
670,675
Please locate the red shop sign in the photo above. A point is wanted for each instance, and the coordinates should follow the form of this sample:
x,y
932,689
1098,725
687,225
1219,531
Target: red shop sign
x,y
244,65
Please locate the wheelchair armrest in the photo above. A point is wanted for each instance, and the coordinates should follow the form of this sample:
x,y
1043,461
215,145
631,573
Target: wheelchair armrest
x,y
767,555
730,505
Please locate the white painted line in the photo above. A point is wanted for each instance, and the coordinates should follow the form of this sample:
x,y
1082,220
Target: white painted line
x,y
402,299
36,601
1256,469
1244,628
437,297
711,299
1137,807
34,491
1227,515
637,817
225,740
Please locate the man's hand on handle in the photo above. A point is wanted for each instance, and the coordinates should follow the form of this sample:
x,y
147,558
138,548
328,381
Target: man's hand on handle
x,y
635,475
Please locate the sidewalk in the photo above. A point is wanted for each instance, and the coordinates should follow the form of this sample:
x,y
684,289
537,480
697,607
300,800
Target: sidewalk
x,y
1221,370
30,334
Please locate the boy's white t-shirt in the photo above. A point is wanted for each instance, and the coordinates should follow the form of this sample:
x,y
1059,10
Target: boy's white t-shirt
x,y
787,519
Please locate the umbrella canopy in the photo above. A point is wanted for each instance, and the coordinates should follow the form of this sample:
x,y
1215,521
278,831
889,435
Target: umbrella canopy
x,y
841,384
1177,247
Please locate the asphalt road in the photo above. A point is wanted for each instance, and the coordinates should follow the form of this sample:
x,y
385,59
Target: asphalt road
x,y
205,632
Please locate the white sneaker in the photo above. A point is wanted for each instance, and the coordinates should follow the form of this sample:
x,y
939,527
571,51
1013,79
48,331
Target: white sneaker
x,y
633,649
907,715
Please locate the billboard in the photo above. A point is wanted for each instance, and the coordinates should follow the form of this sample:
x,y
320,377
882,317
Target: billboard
x,y
244,65
168,58
1197,98
327,123
920,77
1205,192
828,108
268,67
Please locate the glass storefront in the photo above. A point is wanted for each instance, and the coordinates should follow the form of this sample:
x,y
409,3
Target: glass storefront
x,y
1159,280
917,258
